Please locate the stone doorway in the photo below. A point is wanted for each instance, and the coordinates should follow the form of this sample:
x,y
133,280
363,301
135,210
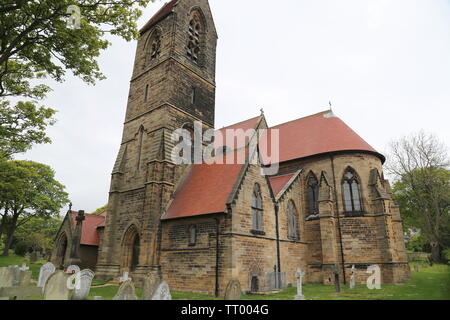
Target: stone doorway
x,y
62,250
131,250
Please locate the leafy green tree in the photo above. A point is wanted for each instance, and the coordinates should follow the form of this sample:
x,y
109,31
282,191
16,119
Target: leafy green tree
x,y
420,165
21,126
37,234
28,190
38,40
100,210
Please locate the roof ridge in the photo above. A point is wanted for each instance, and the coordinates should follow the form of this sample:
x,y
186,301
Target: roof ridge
x,y
241,122
302,118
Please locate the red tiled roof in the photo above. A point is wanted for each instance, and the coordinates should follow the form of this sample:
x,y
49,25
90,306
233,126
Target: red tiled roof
x,y
159,15
278,183
205,190
89,233
317,134
244,125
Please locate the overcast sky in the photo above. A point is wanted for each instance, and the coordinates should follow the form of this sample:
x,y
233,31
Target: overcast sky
x,y
384,64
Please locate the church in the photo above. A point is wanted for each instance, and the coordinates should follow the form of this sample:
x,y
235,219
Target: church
x,y
328,207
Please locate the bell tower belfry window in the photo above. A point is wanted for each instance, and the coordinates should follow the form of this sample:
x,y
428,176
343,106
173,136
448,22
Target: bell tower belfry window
x,y
195,34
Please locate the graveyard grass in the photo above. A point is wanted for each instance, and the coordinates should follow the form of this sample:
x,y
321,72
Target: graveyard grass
x,y
430,283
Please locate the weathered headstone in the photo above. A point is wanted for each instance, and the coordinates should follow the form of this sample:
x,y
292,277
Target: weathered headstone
x,y
233,290
151,283
24,278
299,276
20,293
73,269
83,285
46,271
353,278
127,291
56,287
337,281
7,277
162,292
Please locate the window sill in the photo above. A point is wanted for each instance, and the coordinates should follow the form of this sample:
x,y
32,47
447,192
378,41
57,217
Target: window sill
x,y
353,214
258,232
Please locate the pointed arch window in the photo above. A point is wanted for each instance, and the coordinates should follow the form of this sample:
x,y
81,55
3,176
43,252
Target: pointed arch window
x,y
292,221
135,253
313,196
195,33
257,210
155,45
351,193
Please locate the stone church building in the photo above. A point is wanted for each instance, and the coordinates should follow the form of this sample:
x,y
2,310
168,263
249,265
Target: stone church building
x,y
199,226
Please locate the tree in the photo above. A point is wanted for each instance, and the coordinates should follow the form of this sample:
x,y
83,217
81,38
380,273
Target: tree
x,y
36,235
420,165
28,190
22,126
37,40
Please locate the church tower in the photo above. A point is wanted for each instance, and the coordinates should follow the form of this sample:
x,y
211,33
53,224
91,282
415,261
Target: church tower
x,y
172,85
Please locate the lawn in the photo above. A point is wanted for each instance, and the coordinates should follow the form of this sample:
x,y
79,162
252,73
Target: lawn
x,y
430,283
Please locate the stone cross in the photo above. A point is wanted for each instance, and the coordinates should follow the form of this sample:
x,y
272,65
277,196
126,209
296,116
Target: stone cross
x,y
353,278
124,278
24,267
299,276
74,256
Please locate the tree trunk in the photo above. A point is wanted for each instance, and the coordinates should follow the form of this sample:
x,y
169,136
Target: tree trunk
x,y
10,234
435,252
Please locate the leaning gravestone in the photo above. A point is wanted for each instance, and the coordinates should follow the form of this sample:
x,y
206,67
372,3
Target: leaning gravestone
x,y
151,283
73,269
162,292
233,291
56,287
46,271
83,287
126,291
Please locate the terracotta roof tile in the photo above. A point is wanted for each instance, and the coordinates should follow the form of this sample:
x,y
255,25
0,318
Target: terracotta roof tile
x,y
89,233
317,134
205,190
278,183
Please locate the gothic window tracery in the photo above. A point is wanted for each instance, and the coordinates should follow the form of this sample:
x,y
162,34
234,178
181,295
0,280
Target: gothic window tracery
x,y
195,34
313,196
351,193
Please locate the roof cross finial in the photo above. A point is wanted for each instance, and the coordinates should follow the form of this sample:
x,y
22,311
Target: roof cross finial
x,y
262,111
331,105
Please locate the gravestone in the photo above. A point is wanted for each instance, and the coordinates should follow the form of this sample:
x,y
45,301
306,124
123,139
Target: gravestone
x,y
162,292
56,287
83,285
353,278
46,271
73,269
24,278
16,272
233,290
126,291
151,283
98,298
7,277
299,276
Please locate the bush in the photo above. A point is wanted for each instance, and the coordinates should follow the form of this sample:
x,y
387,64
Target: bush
x,y
418,243
21,248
